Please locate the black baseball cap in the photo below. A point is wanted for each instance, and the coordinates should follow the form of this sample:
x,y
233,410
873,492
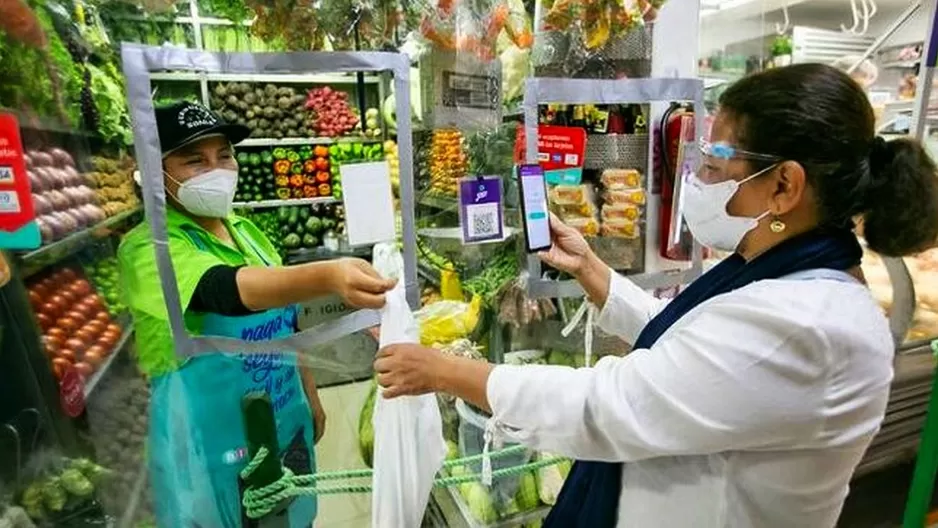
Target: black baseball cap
x,y
183,122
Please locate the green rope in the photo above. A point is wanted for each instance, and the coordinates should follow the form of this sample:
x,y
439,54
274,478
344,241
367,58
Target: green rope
x,y
261,501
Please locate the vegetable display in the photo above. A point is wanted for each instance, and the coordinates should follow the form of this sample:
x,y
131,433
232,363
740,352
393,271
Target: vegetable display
x,y
63,203
394,163
118,424
300,226
500,270
302,172
341,153
448,161
113,183
61,488
255,176
330,112
268,110
104,275
77,331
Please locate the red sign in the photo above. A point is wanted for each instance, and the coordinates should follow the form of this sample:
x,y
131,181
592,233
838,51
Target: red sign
x,y
72,392
557,147
16,204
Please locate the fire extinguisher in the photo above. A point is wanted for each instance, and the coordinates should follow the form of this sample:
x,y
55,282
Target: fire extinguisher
x,y
672,123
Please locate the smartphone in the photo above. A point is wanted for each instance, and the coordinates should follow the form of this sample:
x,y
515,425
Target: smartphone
x,y
534,207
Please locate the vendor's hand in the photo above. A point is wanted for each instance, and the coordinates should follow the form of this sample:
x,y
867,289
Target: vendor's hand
x,y
569,251
408,369
359,284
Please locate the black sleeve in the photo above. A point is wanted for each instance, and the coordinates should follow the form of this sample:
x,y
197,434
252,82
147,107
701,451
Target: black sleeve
x,y
217,292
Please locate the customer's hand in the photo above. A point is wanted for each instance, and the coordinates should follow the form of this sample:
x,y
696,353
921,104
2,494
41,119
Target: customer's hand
x,y
569,251
359,284
408,369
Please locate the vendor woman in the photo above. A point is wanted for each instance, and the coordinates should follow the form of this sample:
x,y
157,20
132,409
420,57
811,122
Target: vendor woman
x,y
230,279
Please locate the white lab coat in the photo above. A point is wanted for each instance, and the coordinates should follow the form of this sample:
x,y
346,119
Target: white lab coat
x,y
751,411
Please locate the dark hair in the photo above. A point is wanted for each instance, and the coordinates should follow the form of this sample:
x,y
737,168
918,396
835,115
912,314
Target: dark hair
x,y
819,117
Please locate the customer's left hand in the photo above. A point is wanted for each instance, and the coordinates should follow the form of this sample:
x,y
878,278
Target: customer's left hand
x,y
408,370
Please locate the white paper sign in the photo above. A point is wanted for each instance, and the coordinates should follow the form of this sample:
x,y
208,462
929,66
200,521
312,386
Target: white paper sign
x,y
369,204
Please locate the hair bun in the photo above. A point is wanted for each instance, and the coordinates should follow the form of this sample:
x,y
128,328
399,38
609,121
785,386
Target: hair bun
x,y
880,156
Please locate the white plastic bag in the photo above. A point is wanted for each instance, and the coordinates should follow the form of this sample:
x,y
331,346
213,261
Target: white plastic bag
x,y
409,446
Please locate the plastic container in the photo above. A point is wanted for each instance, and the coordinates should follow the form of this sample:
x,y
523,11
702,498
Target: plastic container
x,y
471,442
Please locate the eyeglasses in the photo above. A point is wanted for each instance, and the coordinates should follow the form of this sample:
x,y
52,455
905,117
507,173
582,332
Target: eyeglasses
x,y
725,151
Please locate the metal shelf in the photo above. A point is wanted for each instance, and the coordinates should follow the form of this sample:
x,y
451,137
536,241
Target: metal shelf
x,y
262,77
264,204
103,369
287,142
51,253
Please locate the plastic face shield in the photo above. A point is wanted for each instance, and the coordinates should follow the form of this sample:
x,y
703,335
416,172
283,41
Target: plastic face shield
x,y
717,155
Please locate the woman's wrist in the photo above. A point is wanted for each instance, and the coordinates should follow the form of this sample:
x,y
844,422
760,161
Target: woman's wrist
x,y
595,277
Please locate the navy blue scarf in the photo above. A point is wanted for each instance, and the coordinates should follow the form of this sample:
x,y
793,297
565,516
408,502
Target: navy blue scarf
x,y
590,496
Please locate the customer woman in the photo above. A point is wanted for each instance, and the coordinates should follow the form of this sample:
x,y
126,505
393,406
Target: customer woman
x,y
749,399
231,283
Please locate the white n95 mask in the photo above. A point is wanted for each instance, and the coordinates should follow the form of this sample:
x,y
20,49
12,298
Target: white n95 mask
x,y
209,194
705,212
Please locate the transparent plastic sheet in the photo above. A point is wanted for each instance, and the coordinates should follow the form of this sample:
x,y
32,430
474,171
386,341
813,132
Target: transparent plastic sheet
x,y
608,39
196,444
409,446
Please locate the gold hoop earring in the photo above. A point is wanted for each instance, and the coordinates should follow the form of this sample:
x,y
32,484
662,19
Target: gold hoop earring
x,y
777,226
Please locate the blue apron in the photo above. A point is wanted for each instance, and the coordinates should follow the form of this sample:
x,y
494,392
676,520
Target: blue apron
x,y
196,439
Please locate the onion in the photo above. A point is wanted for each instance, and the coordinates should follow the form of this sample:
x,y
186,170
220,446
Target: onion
x,y
60,158
42,159
41,204
59,200
72,175
36,184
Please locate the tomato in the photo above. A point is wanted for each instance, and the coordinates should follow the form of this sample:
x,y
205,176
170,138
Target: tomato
x,y
76,345
69,296
80,287
96,327
86,335
78,316
66,354
40,289
67,274
59,302
92,358
57,333
114,329
102,317
94,302
51,345
98,350
44,321
68,324
84,368
34,298
59,365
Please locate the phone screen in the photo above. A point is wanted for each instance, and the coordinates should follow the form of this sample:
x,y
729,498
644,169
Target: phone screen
x,y
534,207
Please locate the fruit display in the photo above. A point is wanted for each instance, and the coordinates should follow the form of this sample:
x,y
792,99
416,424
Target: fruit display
x,y
448,161
113,183
301,172
63,202
299,226
330,114
394,163
77,331
269,111
118,421
104,275
372,123
60,488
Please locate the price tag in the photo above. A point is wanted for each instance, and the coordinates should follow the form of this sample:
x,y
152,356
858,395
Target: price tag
x,y
72,392
480,210
18,228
